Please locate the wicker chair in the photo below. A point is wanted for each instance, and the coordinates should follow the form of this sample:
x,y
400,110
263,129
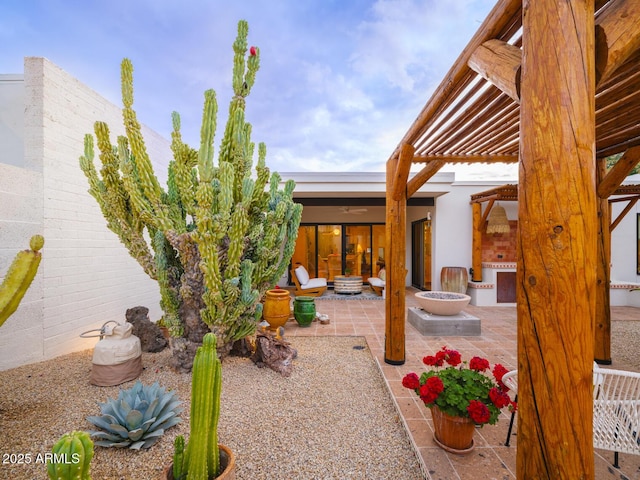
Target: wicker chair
x,y
310,287
616,410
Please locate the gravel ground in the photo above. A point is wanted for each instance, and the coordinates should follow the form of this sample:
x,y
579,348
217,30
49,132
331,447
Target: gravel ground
x,y
625,344
331,419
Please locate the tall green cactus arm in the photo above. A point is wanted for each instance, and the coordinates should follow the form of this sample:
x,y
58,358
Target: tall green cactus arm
x,y
207,132
72,457
147,180
124,222
201,456
150,183
186,159
19,278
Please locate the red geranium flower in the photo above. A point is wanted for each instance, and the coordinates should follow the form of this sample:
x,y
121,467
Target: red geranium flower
x,y
478,412
499,398
434,384
411,381
479,364
453,357
430,361
498,373
441,356
427,395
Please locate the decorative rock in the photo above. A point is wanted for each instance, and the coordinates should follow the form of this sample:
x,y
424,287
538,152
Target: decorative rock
x,y
274,352
151,337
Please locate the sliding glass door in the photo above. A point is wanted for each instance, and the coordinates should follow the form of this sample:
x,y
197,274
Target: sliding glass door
x,y
327,250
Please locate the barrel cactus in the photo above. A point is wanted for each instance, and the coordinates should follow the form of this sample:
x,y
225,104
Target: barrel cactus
x,y
71,459
137,418
220,235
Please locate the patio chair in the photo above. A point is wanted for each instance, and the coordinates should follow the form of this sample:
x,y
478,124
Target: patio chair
x,y
310,287
616,410
378,283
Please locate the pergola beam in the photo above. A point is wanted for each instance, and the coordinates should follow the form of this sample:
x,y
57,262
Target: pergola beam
x,y
617,36
501,64
493,158
423,176
403,167
622,168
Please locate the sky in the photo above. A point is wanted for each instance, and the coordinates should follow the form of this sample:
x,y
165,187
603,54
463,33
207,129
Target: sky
x,y
340,81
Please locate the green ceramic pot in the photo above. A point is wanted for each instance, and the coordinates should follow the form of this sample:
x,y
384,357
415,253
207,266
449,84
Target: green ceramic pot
x,y
304,310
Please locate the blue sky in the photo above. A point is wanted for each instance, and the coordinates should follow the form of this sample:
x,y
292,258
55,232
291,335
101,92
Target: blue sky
x,y
339,84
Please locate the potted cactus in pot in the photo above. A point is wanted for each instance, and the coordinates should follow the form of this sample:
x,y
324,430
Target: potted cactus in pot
x,y
202,458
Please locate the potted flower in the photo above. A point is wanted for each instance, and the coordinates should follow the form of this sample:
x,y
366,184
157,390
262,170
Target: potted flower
x,y
460,396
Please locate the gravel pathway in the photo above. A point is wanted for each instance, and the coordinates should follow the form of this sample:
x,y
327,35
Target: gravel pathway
x,y
331,419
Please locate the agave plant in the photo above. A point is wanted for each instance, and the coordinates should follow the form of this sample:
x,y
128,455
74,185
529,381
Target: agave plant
x,y
137,418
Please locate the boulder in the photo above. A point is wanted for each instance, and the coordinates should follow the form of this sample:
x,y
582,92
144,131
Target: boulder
x,y
151,337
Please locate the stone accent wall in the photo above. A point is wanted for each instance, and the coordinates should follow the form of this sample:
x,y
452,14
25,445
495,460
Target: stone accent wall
x,y
86,277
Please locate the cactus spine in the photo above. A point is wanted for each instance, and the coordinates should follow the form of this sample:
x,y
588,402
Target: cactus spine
x,y
222,234
200,459
19,277
72,457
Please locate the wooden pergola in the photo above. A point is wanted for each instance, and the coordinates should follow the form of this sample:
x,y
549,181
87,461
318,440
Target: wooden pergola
x,y
554,86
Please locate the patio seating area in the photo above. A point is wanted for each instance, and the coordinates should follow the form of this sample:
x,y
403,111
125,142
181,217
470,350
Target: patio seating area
x,y
491,459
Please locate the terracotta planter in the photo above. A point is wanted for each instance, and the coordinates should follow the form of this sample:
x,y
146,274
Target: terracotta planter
x,y
453,434
277,307
227,464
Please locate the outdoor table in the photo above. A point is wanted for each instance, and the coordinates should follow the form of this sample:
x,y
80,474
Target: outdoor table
x,y
351,284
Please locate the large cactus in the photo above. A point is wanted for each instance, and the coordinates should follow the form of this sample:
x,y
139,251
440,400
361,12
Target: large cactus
x,y
72,455
221,234
19,277
201,456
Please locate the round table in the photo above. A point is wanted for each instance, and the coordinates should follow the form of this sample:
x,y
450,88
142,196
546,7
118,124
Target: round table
x,y
347,285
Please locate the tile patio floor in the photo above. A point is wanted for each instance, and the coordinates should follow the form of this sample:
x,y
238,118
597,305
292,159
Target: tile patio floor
x,y
491,459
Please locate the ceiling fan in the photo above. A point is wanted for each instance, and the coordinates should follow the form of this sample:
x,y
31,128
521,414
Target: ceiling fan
x,y
354,211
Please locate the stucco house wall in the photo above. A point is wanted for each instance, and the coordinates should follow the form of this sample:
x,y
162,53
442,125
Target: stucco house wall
x,y
86,276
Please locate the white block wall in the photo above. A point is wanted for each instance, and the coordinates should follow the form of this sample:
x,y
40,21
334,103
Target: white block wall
x,y
86,276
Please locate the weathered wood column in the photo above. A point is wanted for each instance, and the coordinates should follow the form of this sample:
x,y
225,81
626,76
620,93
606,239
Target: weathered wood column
x,y
395,260
476,242
556,275
602,333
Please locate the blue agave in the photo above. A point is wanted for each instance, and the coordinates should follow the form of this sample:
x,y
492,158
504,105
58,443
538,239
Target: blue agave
x,y
137,418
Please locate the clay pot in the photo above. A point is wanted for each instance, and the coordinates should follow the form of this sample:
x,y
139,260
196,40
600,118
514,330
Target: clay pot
x,y
227,464
277,308
453,434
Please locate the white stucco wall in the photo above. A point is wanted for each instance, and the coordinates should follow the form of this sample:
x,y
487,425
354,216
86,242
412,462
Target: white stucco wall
x,y
86,276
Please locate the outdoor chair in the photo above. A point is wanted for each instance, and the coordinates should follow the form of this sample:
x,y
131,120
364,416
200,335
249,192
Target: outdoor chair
x,y
616,410
378,283
310,287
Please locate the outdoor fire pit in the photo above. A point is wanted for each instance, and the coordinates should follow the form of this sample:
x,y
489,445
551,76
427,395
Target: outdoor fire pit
x,y
442,303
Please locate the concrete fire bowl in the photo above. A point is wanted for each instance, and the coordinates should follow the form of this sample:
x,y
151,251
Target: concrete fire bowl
x,y
442,303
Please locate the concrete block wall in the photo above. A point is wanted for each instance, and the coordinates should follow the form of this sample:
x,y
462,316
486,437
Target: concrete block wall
x,y
86,277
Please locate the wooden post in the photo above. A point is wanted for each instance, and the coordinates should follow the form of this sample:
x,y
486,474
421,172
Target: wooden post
x,y
556,275
602,334
476,242
395,260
